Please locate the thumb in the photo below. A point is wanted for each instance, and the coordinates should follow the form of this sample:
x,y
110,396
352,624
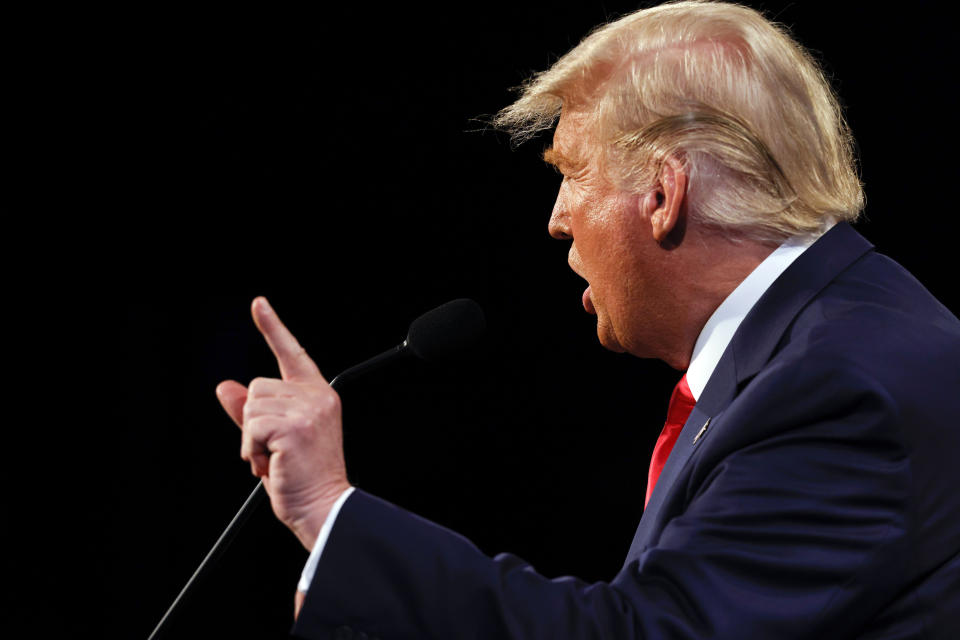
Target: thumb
x,y
232,395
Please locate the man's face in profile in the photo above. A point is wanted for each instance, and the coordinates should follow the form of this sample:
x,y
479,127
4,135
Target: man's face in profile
x,y
611,246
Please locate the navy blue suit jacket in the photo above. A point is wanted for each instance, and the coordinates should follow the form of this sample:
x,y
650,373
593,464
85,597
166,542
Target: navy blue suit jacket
x,y
813,493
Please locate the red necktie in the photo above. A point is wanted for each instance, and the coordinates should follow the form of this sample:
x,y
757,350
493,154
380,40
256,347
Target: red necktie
x,y
681,404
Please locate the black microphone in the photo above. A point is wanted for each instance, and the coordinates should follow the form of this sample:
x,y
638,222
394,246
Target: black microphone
x,y
439,335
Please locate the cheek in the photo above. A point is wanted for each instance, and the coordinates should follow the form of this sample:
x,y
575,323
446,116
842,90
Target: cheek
x,y
600,239
591,228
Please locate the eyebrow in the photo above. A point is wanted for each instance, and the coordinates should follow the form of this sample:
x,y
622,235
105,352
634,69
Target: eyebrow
x,y
554,157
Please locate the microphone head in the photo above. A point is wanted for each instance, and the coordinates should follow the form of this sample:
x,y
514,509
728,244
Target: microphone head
x,y
445,332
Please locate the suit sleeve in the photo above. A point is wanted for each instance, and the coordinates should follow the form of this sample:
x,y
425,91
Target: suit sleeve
x,y
790,526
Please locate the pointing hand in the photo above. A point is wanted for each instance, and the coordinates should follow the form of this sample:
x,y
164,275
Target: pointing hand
x,y
292,433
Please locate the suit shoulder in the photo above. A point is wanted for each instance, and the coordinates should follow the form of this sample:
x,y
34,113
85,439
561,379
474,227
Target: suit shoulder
x,y
874,337
875,317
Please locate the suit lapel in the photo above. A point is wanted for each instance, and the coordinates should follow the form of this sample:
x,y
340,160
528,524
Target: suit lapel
x,y
762,329
678,458
750,349
718,393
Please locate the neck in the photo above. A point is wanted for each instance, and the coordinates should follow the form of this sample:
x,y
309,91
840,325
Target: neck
x,y
705,269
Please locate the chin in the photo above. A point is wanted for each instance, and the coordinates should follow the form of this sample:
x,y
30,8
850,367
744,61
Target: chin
x,y
615,347
607,338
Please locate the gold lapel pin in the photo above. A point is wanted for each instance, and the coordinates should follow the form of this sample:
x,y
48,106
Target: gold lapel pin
x,y
703,430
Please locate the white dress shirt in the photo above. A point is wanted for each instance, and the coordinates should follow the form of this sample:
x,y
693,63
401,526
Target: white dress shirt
x,y
726,319
711,343
311,567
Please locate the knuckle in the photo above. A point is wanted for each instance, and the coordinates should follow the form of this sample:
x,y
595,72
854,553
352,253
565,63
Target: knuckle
x,y
253,409
253,431
301,425
322,408
328,403
260,385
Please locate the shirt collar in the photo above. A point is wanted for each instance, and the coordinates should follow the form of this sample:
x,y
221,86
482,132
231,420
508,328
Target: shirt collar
x,y
722,325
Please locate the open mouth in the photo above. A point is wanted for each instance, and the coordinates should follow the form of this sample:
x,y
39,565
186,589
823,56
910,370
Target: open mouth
x,y
588,302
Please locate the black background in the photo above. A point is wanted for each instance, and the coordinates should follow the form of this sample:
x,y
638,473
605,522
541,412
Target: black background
x,y
337,162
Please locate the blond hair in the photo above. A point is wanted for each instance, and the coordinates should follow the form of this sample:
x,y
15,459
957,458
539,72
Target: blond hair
x,y
747,109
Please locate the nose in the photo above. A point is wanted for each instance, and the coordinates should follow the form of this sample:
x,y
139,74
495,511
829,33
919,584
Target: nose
x,y
559,225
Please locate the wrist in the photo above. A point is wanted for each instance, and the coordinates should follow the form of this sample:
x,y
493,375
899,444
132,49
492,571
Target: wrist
x,y
307,528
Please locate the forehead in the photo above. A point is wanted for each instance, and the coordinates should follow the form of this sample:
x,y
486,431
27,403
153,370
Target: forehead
x,y
572,140
571,130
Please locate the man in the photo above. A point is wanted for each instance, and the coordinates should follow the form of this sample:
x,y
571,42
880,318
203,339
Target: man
x,y
803,486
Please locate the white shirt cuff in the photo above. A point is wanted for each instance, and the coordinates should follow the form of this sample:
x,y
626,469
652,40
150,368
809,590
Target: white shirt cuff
x,y
311,567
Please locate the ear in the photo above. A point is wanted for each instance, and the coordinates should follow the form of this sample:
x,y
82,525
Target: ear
x,y
664,203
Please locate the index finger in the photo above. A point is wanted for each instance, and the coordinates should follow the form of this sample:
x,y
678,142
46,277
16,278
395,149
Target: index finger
x,y
294,362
